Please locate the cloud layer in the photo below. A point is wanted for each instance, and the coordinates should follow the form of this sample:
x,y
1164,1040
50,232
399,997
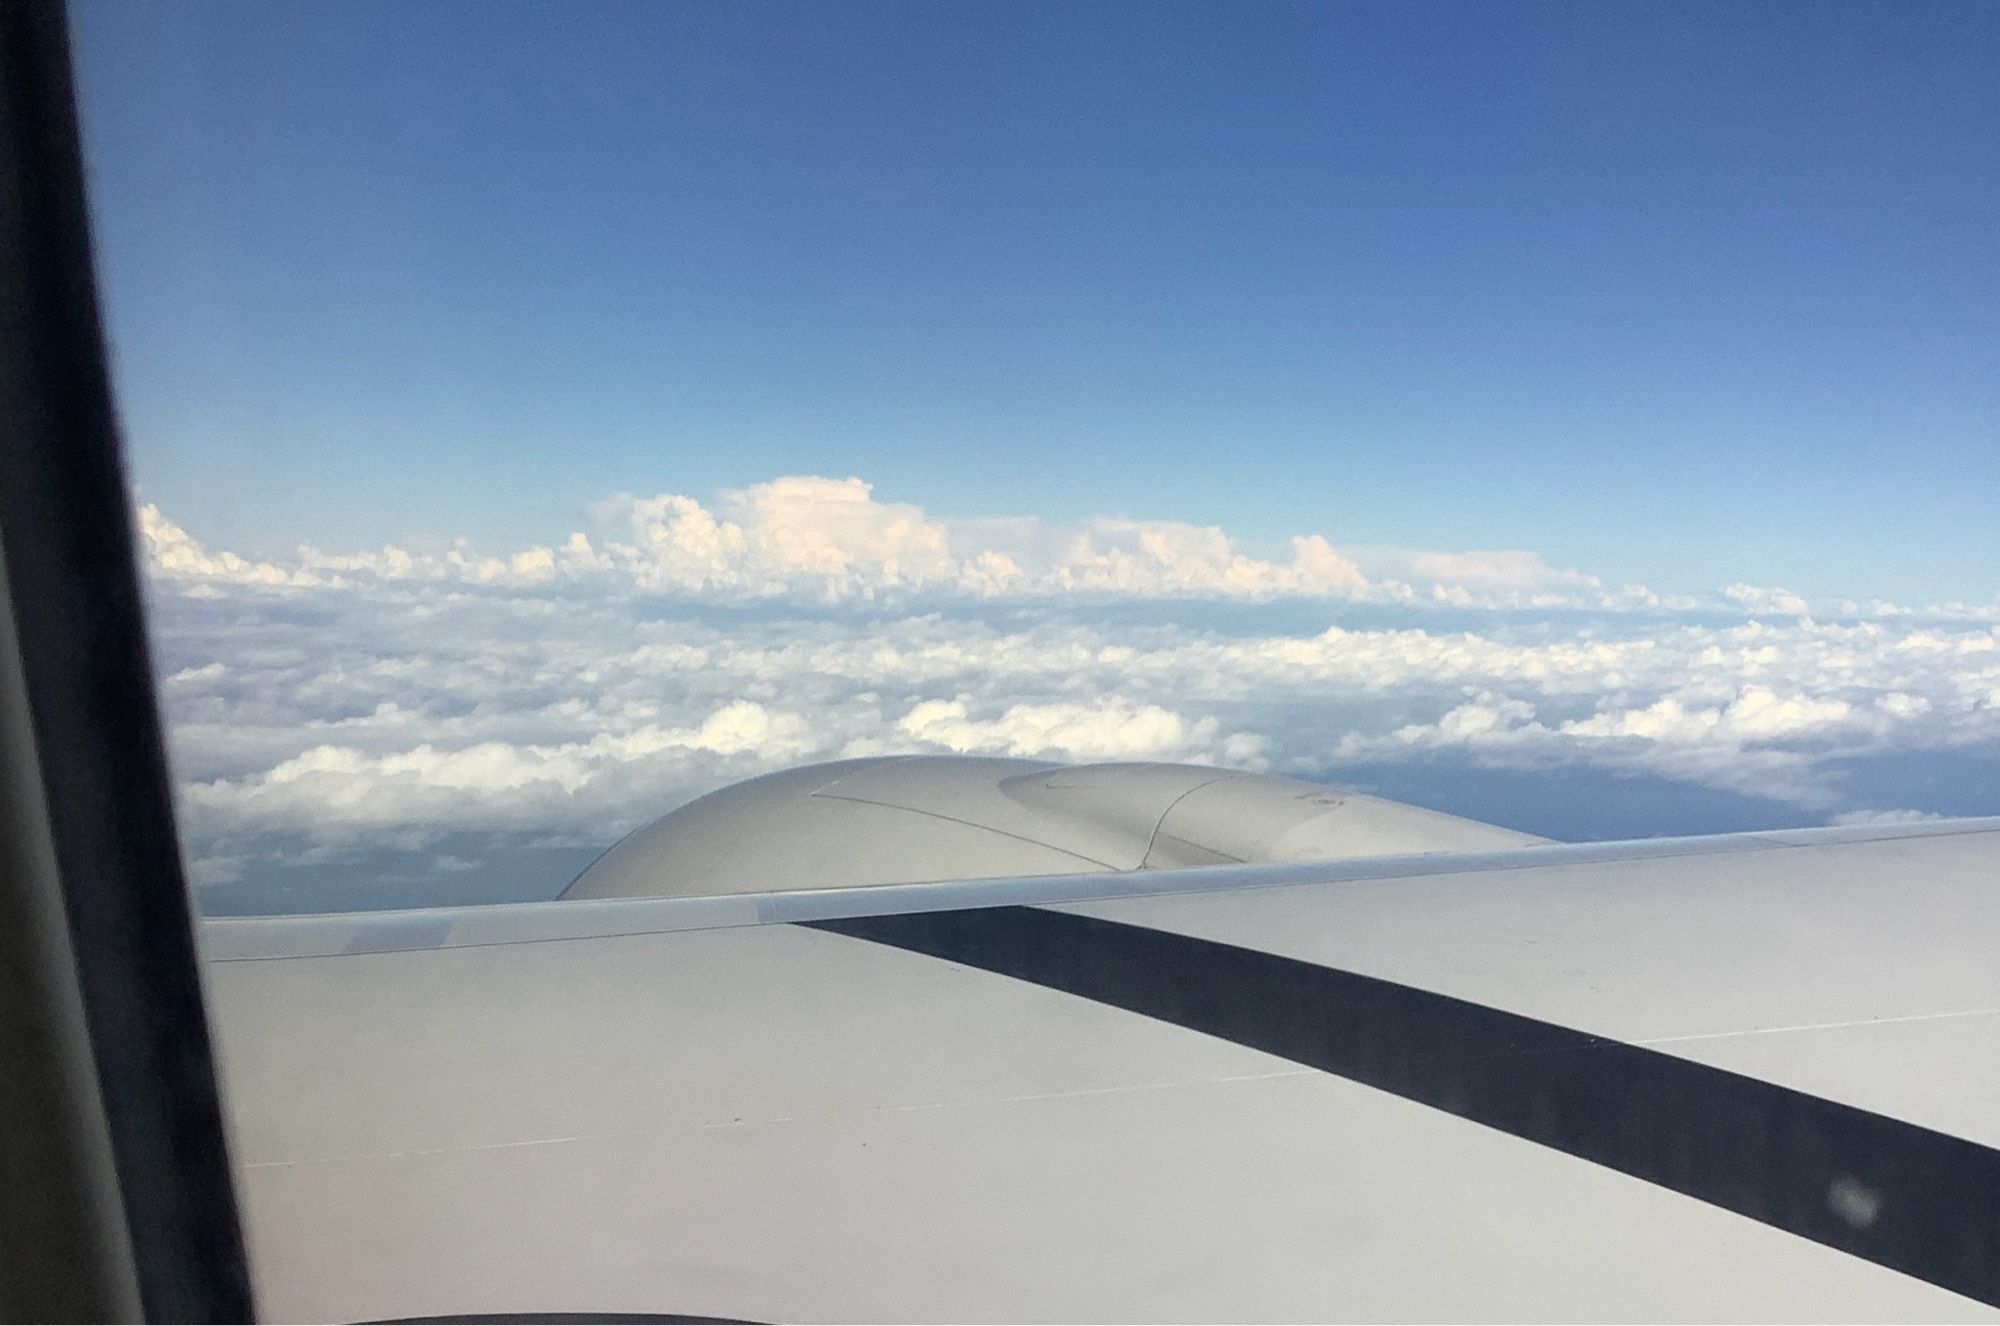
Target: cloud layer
x,y
826,540
334,705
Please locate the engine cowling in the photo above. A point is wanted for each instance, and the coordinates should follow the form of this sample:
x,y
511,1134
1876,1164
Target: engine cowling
x,y
919,818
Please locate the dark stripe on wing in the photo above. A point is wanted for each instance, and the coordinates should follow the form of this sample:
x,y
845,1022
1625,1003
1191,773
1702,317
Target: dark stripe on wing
x,y
1906,1197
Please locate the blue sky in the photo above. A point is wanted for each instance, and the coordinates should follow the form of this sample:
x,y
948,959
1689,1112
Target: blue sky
x,y
1680,294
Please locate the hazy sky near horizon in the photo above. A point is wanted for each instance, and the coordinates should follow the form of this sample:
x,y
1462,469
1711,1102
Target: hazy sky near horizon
x,y
1682,295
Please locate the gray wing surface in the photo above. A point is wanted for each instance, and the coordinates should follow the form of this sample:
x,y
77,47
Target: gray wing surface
x,y
1735,1077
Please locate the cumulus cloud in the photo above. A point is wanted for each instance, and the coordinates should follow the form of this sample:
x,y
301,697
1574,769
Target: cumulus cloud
x,y
829,540
1100,730
345,792
808,538
1757,598
331,705
172,554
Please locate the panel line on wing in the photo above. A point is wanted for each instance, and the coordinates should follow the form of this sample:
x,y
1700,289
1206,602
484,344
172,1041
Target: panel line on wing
x,y
1819,1026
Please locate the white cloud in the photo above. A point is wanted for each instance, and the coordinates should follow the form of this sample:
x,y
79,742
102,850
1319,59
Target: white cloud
x,y
801,534
1870,818
1512,571
1102,730
834,540
1755,598
340,703
811,538
171,553
808,538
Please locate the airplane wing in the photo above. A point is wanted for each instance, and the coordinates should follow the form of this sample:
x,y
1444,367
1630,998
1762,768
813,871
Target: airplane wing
x,y
1750,1076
